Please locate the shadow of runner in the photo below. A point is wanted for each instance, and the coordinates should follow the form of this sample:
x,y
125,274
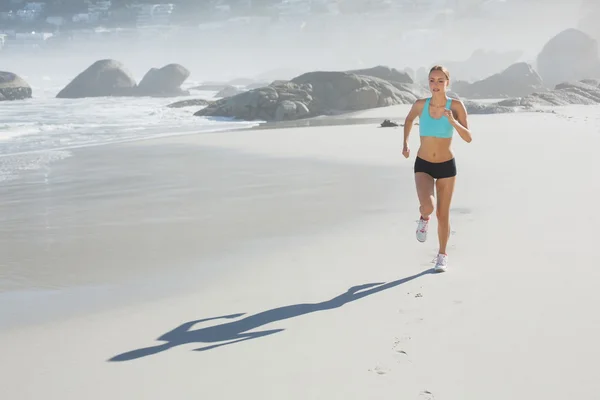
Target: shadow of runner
x,y
238,331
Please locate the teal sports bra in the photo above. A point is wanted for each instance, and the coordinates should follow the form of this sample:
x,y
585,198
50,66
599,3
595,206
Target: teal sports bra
x,y
435,127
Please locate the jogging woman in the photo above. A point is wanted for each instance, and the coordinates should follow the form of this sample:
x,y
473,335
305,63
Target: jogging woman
x,y
435,167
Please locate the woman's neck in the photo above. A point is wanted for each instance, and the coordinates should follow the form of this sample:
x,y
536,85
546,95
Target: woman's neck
x,y
439,99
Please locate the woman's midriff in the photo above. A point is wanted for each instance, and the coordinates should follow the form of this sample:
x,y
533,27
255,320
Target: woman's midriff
x,y
435,150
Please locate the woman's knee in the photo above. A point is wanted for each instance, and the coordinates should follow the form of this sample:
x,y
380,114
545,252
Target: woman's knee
x,y
427,209
442,215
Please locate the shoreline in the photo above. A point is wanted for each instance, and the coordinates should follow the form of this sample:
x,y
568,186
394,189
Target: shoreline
x,y
86,182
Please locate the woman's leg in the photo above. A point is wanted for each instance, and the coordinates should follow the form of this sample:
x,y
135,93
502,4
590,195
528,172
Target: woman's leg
x,y
425,187
445,189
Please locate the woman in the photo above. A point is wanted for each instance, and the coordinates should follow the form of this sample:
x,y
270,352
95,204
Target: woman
x,y
435,166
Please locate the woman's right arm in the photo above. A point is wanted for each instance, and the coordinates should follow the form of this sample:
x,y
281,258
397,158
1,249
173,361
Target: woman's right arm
x,y
414,112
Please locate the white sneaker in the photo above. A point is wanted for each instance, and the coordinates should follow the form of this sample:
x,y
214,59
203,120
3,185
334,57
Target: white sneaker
x,y
422,229
441,263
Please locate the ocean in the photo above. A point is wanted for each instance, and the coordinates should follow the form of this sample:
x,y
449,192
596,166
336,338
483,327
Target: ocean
x,y
41,130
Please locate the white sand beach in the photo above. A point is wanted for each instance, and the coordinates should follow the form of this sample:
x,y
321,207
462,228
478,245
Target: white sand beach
x,y
283,264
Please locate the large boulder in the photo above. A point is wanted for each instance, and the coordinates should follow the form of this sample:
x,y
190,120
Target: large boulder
x,y
385,73
312,94
268,103
164,82
569,56
102,78
13,87
519,79
343,91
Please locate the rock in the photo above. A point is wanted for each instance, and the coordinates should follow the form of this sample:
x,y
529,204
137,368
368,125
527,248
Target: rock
x,y
585,92
388,124
189,103
342,91
13,87
164,82
411,73
569,56
312,94
290,110
228,91
102,78
385,73
519,79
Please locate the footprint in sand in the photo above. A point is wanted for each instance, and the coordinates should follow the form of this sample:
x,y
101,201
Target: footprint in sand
x,y
397,348
379,370
426,395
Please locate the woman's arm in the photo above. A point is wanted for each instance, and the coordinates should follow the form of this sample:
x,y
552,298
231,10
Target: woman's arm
x,y
414,112
460,123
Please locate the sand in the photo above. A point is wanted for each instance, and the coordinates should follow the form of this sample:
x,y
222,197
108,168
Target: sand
x,y
299,244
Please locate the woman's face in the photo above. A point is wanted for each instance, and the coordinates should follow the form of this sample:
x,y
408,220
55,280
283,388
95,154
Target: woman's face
x,y
438,82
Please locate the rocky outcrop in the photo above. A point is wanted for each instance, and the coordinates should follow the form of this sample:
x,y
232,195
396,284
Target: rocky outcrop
x,y
385,73
569,56
584,92
13,87
102,78
189,103
519,79
163,82
312,94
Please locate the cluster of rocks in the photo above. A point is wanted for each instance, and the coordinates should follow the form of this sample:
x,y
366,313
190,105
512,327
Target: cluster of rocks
x,y
319,93
111,78
566,72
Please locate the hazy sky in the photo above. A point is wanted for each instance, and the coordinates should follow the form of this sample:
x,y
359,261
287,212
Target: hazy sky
x,y
328,43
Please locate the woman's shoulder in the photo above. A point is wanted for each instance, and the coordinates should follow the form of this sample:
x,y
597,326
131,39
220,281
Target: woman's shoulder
x,y
457,102
420,102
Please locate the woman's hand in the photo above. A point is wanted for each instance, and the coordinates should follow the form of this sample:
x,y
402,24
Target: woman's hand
x,y
450,115
405,151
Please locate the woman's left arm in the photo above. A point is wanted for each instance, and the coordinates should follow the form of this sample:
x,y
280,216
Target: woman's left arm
x,y
459,123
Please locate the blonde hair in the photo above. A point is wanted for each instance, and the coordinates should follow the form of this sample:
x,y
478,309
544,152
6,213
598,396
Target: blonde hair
x,y
440,68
